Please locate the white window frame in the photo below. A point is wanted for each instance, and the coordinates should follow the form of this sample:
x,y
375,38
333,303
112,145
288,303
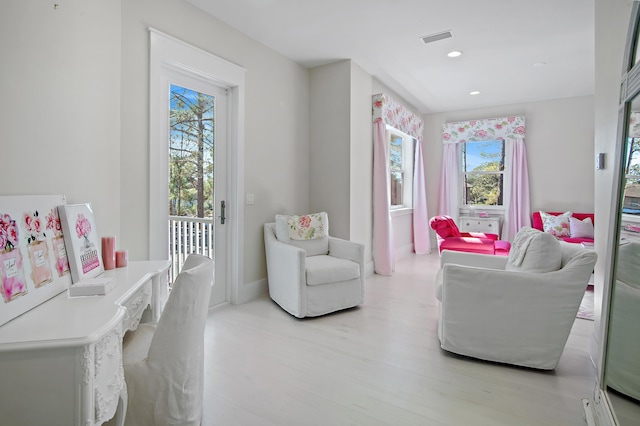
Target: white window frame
x,y
469,208
408,150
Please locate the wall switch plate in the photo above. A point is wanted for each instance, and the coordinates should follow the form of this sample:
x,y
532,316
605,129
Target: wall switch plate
x,y
250,199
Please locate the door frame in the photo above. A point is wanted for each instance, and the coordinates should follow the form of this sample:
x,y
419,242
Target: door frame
x,y
169,53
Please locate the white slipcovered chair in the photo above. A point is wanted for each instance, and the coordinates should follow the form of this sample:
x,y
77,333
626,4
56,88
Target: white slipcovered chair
x,y
164,362
312,273
516,310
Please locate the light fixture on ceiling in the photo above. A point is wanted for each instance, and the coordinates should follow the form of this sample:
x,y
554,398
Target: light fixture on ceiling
x,y
454,53
474,92
539,64
437,36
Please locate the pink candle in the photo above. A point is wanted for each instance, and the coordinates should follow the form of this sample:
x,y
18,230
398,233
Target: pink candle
x,y
109,252
121,258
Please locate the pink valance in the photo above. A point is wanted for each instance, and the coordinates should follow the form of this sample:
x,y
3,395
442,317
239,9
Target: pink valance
x,y
505,128
397,116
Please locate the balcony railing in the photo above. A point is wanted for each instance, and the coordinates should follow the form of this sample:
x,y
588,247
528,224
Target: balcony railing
x,y
189,235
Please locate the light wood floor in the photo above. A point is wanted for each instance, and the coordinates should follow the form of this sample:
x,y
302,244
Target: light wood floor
x,y
378,364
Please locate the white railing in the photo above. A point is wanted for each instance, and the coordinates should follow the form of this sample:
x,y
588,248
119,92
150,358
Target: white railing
x,y
188,235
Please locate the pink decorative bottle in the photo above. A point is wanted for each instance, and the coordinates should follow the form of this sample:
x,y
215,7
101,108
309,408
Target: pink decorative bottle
x,y
109,252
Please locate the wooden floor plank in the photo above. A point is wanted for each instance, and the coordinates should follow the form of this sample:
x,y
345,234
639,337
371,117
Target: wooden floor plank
x,y
378,364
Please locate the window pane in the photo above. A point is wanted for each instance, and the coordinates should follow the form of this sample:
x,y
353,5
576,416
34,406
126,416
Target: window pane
x,y
396,188
191,152
395,153
483,189
483,156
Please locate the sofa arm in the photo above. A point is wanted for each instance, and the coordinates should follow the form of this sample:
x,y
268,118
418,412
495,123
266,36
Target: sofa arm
x,y
345,249
473,259
286,274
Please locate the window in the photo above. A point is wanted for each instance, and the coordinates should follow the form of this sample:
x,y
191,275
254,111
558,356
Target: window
x,y
631,200
400,148
483,167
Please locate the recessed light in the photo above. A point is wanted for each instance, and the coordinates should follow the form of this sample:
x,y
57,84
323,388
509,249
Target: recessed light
x,y
454,54
539,64
474,92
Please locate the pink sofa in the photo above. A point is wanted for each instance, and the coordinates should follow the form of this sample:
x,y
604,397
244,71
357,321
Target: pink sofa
x,y
450,238
536,222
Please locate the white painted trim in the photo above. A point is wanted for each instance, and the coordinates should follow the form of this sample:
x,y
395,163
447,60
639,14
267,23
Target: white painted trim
x,y
601,408
255,290
168,51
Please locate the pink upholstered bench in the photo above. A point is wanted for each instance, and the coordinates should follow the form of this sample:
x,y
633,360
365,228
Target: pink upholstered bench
x,y
450,238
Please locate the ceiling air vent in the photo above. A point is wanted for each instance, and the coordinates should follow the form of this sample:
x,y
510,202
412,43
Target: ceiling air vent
x,y
438,36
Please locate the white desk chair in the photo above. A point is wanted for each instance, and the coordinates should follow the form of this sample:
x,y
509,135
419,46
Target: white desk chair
x,y
164,362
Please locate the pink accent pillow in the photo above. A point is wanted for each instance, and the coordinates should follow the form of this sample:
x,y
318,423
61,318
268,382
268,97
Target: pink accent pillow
x,y
581,228
444,226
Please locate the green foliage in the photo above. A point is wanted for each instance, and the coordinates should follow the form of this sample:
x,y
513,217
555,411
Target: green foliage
x,y
191,153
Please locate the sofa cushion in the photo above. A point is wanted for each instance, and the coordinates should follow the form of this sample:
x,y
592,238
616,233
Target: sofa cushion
x,y
323,269
317,245
542,252
581,228
556,225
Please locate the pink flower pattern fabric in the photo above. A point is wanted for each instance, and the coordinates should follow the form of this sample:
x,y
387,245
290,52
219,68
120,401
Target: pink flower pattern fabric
x,y
505,128
307,227
558,226
397,116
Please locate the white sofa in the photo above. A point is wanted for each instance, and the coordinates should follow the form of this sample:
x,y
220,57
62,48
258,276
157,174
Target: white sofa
x,y
520,315
316,277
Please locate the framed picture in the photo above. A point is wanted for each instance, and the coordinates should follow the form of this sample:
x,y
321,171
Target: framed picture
x,y
81,240
33,258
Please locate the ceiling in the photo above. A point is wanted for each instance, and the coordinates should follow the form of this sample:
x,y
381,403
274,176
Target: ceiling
x,y
501,40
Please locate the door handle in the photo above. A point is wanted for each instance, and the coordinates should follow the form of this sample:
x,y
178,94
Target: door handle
x,y
222,212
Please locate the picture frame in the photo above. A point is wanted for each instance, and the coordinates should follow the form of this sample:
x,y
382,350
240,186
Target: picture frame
x,y
82,242
34,265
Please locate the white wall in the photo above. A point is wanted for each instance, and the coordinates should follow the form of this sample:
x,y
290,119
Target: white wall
x,y
559,143
277,121
60,111
361,175
330,144
75,113
612,20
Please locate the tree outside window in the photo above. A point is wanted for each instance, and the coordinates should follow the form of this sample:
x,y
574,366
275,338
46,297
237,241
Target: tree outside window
x,y
483,166
191,152
400,148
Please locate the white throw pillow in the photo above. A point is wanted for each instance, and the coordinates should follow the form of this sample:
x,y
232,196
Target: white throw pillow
x,y
543,253
581,228
558,226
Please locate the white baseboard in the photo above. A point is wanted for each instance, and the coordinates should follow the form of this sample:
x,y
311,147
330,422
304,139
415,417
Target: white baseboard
x,y
253,291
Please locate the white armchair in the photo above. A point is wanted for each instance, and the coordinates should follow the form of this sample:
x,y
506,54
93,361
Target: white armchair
x,y
309,278
164,363
495,311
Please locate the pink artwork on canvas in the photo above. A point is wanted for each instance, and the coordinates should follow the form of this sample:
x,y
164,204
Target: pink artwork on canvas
x,y
88,253
13,282
59,249
38,249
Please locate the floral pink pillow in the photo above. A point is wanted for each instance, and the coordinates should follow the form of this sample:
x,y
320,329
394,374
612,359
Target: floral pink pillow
x,y
307,227
558,226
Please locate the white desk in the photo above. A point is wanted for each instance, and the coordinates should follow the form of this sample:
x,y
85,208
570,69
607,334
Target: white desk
x,y
61,362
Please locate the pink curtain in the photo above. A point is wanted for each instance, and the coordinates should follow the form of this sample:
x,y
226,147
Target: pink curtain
x,y
448,203
382,251
517,193
421,240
